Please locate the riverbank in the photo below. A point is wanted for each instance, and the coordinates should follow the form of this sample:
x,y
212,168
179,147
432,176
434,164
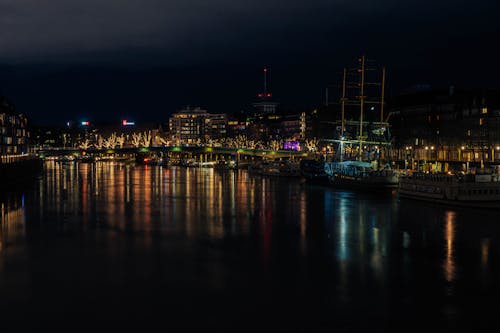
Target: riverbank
x,y
20,170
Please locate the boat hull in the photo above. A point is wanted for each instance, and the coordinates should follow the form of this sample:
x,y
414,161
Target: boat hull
x,y
490,204
313,171
371,185
449,191
359,175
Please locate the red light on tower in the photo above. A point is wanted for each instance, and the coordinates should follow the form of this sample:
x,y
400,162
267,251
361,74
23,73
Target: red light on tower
x,y
265,69
124,122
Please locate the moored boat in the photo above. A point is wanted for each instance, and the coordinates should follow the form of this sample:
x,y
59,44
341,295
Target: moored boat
x,y
471,190
313,170
361,176
270,169
153,160
225,165
362,142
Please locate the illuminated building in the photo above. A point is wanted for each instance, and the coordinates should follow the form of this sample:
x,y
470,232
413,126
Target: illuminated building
x,y
191,125
236,124
448,125
14,132
297,126
215,126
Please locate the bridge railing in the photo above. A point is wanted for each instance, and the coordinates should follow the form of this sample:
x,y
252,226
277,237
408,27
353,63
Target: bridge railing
x,y
188,149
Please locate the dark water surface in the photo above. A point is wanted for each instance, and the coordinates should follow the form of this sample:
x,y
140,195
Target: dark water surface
x,y
111,245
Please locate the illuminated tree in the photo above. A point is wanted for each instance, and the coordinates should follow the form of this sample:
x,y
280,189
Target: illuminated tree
x,y
275,144
136,139
65,139
120,140
160,140
311,145
146,139
99,142
85,144
110,142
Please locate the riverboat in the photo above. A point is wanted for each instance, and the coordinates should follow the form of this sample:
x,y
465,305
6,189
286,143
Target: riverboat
x,y
361,175
470,190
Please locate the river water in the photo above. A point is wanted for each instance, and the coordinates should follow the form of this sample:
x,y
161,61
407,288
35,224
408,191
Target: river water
x,y
124,245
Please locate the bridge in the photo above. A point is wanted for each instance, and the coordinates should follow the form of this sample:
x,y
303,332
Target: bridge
x,y
201,153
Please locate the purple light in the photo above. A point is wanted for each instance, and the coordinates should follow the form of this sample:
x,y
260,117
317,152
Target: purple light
x,y
291,145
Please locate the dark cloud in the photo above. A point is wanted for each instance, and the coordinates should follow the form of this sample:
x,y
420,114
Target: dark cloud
x,y
30,29
165,54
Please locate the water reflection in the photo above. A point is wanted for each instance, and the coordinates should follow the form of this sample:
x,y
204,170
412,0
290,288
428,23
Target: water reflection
x,y
12,219
449,261
280,242
195,202
485,251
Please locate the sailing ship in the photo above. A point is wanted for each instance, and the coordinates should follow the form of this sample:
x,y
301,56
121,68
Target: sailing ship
x,y
361,142
361,175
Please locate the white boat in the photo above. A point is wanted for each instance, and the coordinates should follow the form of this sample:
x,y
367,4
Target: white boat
x,y
361,175
471,190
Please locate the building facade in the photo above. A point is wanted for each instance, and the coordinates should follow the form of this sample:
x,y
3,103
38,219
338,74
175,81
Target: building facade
x,y
14,132
448,125
193,125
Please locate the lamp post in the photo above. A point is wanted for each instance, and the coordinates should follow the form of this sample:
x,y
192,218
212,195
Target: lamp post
x,y
407,156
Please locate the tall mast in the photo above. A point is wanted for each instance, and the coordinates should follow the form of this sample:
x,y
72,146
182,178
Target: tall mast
x,y
361,107
342,104
362,87
382,97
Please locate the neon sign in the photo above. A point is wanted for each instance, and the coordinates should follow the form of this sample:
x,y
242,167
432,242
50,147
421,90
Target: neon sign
x,y
127,123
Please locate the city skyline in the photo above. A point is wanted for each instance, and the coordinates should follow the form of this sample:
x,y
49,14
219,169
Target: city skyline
x,y
264,165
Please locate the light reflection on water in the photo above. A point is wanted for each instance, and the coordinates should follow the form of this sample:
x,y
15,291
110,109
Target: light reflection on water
x,y
12,220
347,250
449,262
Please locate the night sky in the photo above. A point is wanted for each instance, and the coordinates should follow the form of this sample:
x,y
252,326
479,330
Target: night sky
x,y
144,59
